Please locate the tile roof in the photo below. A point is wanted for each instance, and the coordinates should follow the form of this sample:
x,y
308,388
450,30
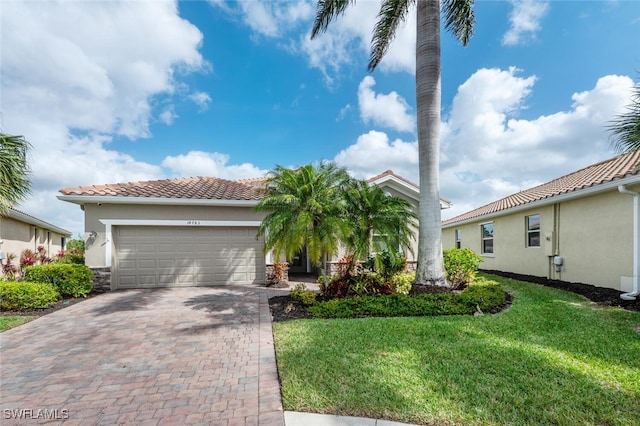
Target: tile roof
x,y
619,167
187,188
20,215
391,173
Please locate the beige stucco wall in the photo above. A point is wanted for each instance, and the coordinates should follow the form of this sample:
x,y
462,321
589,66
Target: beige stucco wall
x,y
593,235
17,236
96,247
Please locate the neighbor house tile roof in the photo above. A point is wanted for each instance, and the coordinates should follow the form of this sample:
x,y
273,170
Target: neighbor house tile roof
x,y
26,217
187,188
616,168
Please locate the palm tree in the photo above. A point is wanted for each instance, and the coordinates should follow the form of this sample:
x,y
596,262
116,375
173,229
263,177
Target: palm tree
x,y
377,220
305,209
459,20
626,127
14,171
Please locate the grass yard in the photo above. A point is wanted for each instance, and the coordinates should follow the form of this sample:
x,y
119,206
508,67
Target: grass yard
x,y
8,321
552,358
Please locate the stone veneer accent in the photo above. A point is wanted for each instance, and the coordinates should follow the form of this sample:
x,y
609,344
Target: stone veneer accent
x,y
269,272
101,279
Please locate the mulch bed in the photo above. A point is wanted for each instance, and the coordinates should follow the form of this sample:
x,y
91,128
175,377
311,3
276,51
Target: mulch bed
x,y
600,295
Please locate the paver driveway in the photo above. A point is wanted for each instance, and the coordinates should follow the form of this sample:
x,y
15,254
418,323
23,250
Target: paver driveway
x,y
166,356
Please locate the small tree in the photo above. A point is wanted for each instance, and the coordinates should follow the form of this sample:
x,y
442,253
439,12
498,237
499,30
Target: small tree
x,y
14,171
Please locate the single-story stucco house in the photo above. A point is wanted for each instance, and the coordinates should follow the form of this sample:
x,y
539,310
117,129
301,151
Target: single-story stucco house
x,y
187,231
582,227
20,231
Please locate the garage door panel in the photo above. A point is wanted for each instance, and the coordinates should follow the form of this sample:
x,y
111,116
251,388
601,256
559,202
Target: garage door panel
x,y
175,256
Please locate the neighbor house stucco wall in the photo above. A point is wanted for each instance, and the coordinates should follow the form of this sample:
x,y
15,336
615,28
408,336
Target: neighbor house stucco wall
x,y
592,234
96,246
17,236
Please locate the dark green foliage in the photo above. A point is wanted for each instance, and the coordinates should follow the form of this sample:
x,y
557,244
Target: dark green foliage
x,y
461,265
18,295
70,280
302,294
385,263
483,297
76,244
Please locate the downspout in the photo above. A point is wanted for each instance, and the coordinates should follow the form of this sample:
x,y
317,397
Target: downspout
x,y
636,243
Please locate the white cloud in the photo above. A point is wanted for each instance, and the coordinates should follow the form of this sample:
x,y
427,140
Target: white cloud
x,y
390,110
69,88
373,153
488,152
199,163
525,21
201,99
269,18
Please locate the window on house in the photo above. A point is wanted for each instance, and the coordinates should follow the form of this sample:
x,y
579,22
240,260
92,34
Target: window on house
x,y
63,242
487,238
533,230
458,238
381,243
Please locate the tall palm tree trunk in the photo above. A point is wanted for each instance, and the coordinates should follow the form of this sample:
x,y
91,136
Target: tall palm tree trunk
x,y
428,91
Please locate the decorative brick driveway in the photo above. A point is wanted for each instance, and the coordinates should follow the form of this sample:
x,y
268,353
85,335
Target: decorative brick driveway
x,y
146,357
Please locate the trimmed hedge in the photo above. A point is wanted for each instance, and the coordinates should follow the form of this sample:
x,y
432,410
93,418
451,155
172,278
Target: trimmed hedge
x,y
484,296
70,279
18,295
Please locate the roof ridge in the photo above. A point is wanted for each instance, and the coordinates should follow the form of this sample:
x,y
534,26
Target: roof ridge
x,y
592,175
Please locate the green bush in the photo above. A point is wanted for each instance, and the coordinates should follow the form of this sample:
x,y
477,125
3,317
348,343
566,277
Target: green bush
x,y
302,294
17,295
70,279
368,283
461,266
403,281
485,297
386,264
485,294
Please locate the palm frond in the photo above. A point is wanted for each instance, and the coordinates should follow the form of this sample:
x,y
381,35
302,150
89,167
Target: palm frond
x,y
625,127
392,13
327,11
459,19
14,171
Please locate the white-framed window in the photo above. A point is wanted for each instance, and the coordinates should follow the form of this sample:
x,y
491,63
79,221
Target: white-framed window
x,y
458,238
532,226
486,230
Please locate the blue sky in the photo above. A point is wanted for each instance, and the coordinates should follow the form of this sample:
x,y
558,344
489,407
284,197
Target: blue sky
x,y
124,91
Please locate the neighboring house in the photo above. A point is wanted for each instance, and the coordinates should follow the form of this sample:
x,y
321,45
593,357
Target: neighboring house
x,y
20,231
582,227
185,232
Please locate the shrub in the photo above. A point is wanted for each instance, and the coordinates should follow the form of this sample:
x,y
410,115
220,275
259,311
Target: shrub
x,y
485,294
460,266
304,295
403,281
485,297
69,279
10,270
386,264
16,295
71,256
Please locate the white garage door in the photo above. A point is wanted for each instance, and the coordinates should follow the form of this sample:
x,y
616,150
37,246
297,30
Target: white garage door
x,y
149,256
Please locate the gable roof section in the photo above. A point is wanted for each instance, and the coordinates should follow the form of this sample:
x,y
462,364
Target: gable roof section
x,y
20,216
402,185
578,183
192,188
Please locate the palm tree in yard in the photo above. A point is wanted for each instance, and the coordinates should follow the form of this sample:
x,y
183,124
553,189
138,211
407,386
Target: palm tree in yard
x,y
459,20
377,220
14,171
626,126
305,209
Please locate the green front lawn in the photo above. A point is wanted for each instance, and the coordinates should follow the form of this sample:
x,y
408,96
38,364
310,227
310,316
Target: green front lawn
x,y
552,358
8,321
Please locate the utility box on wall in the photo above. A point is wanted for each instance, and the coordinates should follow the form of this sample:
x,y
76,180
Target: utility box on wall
x,y
549,243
